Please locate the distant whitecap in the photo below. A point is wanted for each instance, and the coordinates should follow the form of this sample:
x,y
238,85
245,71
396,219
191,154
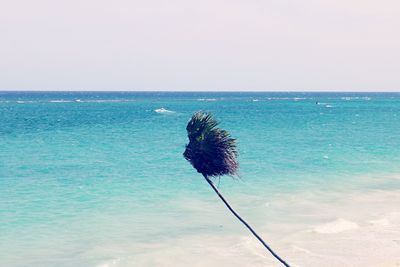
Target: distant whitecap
x,y
163,110
108,100
60,101
23,102
206,99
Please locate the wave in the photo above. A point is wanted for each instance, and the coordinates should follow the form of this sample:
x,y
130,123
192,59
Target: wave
x,y
27,101
90,101
110,263
60,101
279,98
206,99
108,101
327,105
287,98
347,98
380,222
337,226
163,110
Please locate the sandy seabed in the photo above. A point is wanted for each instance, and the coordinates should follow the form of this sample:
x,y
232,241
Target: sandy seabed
x,y
306,229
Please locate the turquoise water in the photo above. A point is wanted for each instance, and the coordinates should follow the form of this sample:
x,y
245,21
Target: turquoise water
x,y
83,176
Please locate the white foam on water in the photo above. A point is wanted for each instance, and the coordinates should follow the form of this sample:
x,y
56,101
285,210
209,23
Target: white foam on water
x,y
337,226
163,110
287,98
26,101
296,226
380,222
206,99
356,98
296,248
279,98
91,101
111,263
60,101
108,100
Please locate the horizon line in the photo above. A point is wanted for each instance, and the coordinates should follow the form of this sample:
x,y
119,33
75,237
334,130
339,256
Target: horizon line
x,y
195,91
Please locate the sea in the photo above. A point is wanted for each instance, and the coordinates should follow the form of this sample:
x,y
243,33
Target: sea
x,y
97,179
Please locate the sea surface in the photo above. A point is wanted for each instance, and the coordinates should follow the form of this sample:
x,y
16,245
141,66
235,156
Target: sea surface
x,y
98,179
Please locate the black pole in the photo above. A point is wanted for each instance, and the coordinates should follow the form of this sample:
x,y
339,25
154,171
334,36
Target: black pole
x,y
244,222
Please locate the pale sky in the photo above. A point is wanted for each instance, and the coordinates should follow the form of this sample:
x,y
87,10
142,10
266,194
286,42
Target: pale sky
x,y
271,45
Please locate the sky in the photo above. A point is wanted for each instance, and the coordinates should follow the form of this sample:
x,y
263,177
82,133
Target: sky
x,y
210,45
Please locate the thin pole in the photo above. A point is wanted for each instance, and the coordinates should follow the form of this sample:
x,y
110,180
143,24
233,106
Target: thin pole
x,y
244,222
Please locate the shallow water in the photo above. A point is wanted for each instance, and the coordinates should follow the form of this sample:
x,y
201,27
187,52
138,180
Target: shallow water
x,y
98,179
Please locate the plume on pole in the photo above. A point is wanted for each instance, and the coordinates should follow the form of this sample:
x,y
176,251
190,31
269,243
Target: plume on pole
x,y
211,150
213,153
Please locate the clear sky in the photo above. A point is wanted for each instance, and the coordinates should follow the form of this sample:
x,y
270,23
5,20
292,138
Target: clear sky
x,y
341,45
